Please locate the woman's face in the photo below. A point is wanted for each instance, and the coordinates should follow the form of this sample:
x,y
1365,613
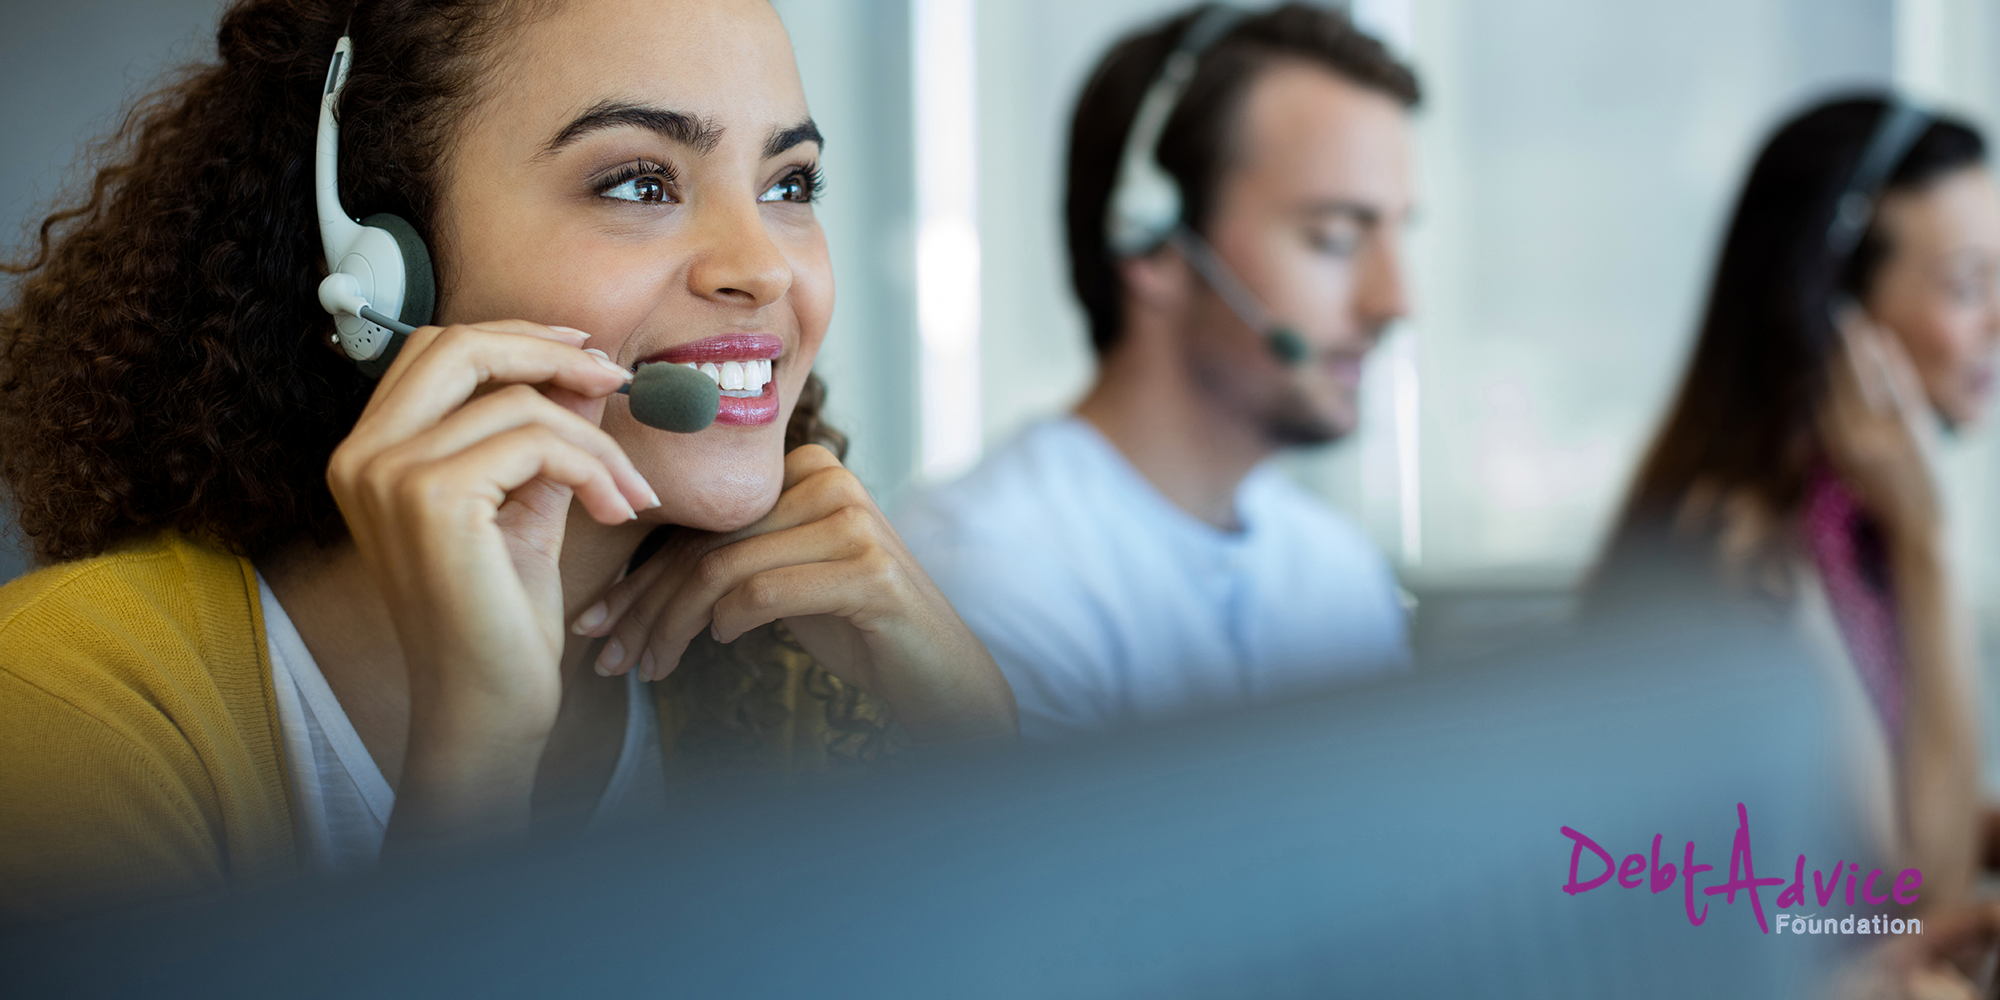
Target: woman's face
x,y
644,171
1939,288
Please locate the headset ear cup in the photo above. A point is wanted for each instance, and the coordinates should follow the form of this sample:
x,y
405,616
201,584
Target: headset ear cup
x,y
419,284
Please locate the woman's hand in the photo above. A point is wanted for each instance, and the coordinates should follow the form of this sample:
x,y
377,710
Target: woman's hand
x,y
456,483
1878,430
827,562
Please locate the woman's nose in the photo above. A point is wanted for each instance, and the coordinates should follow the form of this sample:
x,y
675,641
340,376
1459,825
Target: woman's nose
x,y
735,260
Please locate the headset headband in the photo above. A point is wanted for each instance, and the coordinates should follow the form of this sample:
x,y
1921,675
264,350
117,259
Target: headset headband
x,y
1145,201
1899,128
379,286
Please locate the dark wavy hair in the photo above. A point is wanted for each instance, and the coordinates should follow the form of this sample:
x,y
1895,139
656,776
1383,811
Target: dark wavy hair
x,y
1195,146
1739,440
164,362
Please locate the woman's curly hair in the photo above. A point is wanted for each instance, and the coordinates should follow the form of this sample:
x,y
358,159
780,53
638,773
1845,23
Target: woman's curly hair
x,y
164,361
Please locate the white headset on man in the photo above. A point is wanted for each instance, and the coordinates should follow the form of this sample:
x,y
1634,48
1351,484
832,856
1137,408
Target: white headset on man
x,y
1146,202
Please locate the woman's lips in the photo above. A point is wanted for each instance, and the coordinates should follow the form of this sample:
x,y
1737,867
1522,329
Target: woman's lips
x,y
750,411
735,411
726,347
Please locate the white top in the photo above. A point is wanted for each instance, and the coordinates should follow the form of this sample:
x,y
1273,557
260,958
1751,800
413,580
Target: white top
x,y
1107,605
342,802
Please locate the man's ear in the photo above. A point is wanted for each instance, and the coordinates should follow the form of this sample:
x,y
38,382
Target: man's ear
x,y
1157,282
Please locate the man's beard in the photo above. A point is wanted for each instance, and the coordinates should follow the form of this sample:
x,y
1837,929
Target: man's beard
x,y
1285,419
1291,421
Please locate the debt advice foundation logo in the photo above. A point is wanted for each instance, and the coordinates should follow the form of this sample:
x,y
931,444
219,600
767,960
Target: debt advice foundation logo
x,y
1649,873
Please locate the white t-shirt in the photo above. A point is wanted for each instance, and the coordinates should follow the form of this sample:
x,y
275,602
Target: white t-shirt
x,y
1106,605
342,802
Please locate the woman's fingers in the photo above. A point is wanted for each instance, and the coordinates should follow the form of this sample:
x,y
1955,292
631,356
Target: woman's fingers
x,y
1875,367
519,406
1879,365
806,460
420,341
502,463
1877,430
440,368
670,619
1899,373
824,515
391,490
815,485
1859,370
841,589
610,608
626,611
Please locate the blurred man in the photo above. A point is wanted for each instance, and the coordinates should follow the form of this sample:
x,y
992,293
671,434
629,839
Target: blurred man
x,y
1237,189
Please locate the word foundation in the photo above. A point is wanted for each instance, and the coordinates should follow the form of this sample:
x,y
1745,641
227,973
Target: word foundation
x,y
1850,925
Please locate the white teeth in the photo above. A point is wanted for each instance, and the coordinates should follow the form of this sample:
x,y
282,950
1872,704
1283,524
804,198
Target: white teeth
x,y
737,378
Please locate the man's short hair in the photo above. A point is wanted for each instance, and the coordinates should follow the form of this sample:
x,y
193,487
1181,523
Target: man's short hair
x,y
1194,147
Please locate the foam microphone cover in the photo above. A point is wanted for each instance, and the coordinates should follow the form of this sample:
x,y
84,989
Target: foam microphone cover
x,y
1289,347
674,398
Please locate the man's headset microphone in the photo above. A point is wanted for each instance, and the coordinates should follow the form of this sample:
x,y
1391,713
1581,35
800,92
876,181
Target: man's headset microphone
x,y
379,284
1145,210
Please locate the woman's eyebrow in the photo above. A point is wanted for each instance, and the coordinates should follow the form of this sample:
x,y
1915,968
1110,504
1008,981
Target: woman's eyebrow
x,y
785,138
678,126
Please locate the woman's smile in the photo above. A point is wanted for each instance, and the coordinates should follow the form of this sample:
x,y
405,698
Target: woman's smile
x,y
742,365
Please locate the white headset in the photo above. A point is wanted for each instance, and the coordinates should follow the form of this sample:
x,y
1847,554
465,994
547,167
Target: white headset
x,y
379,285
1146,203
1146,200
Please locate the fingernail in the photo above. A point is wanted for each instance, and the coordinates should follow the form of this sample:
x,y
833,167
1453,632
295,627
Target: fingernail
x,y
712,633
648,666
590,619
571,329
655,495
605,360
614,653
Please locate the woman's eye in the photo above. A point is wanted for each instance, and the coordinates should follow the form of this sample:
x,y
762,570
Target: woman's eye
x,y
649,188
799,186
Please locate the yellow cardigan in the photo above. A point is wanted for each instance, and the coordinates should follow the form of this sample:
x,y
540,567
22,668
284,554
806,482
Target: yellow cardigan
x,y
140,755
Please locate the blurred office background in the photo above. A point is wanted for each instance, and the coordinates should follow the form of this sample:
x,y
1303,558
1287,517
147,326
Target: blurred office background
x,y
1577,163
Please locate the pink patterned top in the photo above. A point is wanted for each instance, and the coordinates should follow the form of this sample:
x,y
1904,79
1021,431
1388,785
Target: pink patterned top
x,y
1847,547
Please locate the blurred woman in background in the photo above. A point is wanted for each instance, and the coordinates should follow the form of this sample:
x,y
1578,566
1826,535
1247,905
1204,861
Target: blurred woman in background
x,y
1853,314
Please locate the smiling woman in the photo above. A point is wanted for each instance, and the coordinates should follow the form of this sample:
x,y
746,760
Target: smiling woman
x,y
291,617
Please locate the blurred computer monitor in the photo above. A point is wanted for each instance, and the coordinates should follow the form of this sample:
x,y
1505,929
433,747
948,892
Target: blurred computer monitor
x,y
1402,839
